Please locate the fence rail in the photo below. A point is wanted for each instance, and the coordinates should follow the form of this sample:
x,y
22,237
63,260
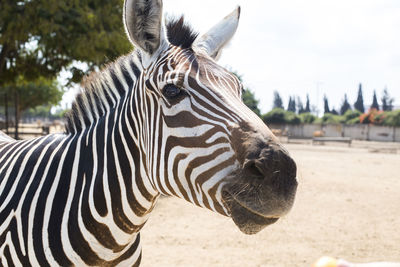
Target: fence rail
x,y
25,130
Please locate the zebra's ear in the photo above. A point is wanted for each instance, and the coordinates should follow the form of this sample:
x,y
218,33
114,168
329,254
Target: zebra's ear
x,y
218,36
143,24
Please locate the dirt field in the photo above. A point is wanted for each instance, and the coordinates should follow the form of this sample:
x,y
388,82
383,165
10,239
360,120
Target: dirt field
x,y
347,206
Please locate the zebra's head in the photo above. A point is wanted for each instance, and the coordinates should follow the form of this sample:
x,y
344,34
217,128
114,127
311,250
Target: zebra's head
x,y
202,143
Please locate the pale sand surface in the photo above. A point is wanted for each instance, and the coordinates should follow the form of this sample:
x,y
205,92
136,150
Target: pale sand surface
x,y
347,206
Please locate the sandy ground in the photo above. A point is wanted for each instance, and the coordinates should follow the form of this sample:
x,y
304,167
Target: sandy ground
x,y
347,206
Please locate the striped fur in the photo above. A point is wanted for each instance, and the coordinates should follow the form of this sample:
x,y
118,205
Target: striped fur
x,y
81,198
165,119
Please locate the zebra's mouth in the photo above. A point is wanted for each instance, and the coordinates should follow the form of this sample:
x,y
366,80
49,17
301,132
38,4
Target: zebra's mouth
x,y
248,221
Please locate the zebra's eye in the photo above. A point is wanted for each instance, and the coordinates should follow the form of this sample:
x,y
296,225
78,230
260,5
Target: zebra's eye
x,y
170,91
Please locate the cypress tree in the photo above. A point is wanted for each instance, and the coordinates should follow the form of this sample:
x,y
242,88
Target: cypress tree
x,y
359,104
300,108
292,104
277,100
345,105
307,108
375,104
289,103
326,105
387,101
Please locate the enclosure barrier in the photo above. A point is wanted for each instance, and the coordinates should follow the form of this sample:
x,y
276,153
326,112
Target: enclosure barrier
x,y
356,132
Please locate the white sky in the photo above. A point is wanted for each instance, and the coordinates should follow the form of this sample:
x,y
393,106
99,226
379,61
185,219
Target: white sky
x,y
308,46
300,46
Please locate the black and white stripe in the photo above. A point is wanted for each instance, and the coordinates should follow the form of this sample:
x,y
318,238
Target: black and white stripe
x,y
81,198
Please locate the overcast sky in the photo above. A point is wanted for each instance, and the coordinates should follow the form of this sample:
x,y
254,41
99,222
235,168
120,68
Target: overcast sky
x,y
308,46
301,47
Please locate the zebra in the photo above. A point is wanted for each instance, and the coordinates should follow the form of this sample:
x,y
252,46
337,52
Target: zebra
x,y
165,119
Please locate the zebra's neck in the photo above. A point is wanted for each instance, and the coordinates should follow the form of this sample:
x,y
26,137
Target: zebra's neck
x,y
108,196
111,182
114,145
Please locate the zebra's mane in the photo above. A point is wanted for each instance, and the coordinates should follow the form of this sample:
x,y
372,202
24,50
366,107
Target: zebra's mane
x,y
101,91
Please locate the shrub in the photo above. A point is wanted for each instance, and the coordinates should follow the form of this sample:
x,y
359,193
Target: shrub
x,y
333,119
392,118
353,121
280,116
373,116
353,116
275,116
292,118
307,118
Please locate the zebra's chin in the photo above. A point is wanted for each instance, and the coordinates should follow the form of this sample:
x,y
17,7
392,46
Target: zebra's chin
x,y
248,221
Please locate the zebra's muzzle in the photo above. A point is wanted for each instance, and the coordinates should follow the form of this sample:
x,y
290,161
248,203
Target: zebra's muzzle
x,y
262,190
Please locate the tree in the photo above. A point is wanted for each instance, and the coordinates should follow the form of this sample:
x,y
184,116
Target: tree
x,y
289,103
359,104
387,101
250,101
36,93
277,100
334,112
375,104
307,108
326,105
38,39
292,104
345,105
248,97
300,108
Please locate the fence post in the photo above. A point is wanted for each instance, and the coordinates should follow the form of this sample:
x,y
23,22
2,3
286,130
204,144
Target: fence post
x,y
16,100
6,111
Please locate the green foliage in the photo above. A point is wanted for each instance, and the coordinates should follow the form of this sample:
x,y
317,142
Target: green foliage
x,y
329,118
353,121
292,118
34,93
359,104
44,111
299,104
375,104
277,100
345,105
280,116
387,101
38,111
292,104
250,101
40,38
307,109
352,114
275,116
334,112
392,118
307,118
248,97
326,105
373,116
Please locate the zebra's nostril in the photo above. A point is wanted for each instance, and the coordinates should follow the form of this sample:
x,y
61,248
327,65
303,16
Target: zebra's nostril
x,y
253,170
